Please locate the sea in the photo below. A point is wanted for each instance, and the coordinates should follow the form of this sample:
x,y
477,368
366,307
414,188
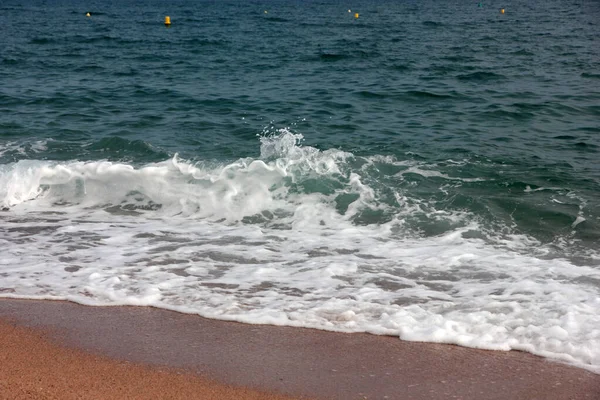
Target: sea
x,y
428,170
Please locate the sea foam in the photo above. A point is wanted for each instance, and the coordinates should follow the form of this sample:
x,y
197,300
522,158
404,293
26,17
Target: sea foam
x,y
297,237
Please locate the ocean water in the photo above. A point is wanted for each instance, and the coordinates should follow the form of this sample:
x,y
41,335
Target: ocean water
x,y
429,170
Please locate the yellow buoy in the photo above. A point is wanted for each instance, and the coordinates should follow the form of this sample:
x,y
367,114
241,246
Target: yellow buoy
x,y
356,15
502,11
88,15
167,20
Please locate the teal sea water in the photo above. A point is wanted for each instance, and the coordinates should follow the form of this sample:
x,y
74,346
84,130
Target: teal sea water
x,y
429,170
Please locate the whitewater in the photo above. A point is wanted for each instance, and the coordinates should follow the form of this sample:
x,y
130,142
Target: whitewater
x,y
303,237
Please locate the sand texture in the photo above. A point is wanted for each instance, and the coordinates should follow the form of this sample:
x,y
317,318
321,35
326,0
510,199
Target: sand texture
x,y
62,350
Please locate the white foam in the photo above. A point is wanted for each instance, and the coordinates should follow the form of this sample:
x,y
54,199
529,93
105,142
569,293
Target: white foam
x,y
437,174
528,189
22,148
577,221
251,241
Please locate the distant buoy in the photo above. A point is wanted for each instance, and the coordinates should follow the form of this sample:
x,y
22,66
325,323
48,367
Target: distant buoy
x,y
266,12
168,21
88,15
349,11
502,11
356,15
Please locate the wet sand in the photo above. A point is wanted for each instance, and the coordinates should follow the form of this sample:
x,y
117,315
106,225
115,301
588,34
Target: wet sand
x,y
31,367
62,350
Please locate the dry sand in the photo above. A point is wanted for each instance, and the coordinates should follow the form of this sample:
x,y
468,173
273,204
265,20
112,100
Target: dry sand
x,y
63,350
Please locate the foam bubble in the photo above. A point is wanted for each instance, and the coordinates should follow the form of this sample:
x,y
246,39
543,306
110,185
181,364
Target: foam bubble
x,y
437,174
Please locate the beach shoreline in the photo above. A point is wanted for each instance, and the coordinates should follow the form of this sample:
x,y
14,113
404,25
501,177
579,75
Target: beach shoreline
x,y
36,367
258,359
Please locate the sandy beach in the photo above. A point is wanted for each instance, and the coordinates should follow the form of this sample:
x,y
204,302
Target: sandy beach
x,y
61,350
34,368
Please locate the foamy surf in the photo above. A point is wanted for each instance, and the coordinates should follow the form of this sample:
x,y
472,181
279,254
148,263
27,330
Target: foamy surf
x,y
299,237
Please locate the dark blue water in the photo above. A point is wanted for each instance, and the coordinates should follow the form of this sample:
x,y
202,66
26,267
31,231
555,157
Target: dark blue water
x,y
426,121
